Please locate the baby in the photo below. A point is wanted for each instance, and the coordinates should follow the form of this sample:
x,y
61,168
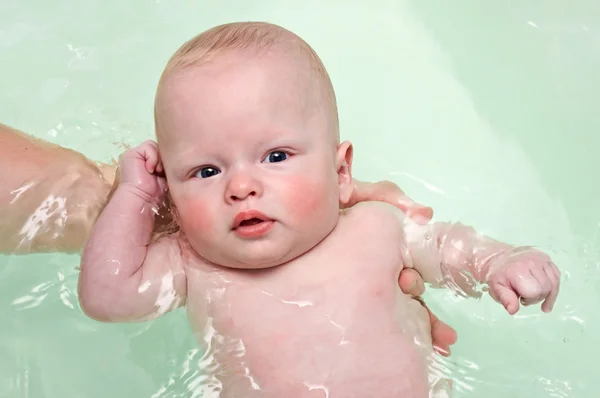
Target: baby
x,y
289,295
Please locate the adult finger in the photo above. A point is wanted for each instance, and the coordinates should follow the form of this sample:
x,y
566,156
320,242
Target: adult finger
x,y
442,335
411,282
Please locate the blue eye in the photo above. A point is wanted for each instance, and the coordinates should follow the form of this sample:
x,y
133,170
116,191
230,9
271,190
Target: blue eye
x,y
276,156
206,172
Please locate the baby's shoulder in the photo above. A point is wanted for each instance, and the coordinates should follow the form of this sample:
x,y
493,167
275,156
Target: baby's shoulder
x,y
377,212
373,219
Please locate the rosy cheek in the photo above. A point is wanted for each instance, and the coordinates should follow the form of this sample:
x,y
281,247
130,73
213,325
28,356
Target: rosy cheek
x,y
195,216
305,197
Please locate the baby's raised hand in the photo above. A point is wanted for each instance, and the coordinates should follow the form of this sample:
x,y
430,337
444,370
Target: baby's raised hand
x,y
140,168
527,276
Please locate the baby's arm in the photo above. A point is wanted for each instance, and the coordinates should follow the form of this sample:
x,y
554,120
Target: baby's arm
x,y
124,277
456,255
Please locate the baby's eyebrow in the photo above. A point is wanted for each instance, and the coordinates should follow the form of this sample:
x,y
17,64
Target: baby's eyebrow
x,y
182,168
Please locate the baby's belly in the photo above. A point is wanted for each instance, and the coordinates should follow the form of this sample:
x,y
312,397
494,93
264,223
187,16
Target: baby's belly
x,y
275,348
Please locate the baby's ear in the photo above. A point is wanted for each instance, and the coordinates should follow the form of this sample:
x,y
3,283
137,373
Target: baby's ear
x,y
344,170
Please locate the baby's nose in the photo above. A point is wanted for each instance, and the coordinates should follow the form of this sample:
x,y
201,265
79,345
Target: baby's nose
x,y
242,194
241,187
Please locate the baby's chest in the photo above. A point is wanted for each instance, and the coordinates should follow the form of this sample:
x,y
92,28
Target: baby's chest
x,y
317,297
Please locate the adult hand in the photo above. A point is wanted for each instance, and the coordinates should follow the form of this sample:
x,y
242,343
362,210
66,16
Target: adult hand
x,y
442,334
388,192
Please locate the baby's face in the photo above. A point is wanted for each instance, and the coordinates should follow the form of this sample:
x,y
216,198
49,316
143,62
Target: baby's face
x,y
251,159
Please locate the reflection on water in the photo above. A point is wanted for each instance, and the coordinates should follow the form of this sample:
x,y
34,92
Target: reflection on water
x,y
477,103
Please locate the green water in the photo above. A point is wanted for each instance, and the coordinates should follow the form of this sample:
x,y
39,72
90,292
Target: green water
x,y
483,110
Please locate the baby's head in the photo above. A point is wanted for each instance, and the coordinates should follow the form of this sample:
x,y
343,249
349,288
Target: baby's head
x,y
247,127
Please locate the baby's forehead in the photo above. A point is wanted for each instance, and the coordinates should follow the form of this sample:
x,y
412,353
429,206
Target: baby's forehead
x,y
284,61
289,62
290,81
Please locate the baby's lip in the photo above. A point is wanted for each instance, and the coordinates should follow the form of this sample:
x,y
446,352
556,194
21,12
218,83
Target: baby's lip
x,y
249,215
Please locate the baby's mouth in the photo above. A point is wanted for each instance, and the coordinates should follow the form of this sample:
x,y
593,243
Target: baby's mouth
x,y
252,224
249,218
252,221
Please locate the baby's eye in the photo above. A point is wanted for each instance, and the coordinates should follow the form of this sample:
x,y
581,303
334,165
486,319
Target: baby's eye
x,y
206,172
276,156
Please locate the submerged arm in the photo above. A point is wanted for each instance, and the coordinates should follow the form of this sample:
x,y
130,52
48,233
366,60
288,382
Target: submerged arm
x,y
49,196
458,256
454,255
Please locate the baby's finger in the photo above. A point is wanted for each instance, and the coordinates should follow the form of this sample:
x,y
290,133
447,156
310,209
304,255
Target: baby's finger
x,y
555,271
535,287
159,167
507,297
151,156
548,304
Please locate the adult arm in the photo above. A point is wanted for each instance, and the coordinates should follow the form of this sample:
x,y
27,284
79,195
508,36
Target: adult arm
x,y
50,196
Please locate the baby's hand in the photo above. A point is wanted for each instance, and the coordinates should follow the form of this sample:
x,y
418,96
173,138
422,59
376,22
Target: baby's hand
x,y
527,276
141,168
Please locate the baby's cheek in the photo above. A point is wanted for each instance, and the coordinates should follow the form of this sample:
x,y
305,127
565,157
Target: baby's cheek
x,y
196,217
309,198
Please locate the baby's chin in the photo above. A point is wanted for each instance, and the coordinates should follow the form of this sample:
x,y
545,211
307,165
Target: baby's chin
x,y
249,260
255,255
256,262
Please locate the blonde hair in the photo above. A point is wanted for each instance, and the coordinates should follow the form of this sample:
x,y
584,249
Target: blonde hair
x,y
257,36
